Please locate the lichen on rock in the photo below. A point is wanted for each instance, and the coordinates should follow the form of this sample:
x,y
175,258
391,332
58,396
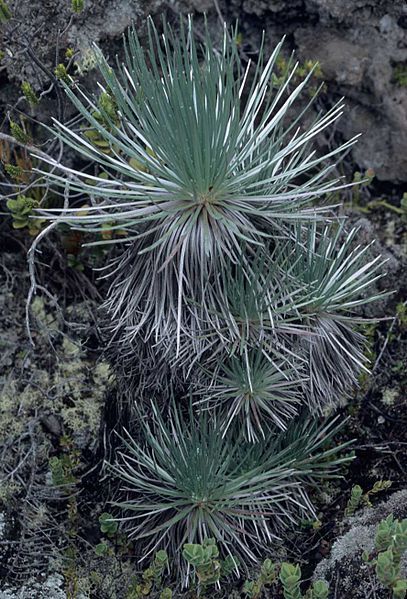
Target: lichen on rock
x,y
344,569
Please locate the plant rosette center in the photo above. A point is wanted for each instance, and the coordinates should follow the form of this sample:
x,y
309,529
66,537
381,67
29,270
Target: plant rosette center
x,y
208,198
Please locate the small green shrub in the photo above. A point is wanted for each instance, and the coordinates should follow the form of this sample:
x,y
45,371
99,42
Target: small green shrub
x,y
29,93
117,543
361,182
318,590
5,12
290,577
400,75
151,579
267,576
354,500
390,546
14,171
62,74
106,114
378,487
208,567
107,523
19,133
63,469
23,214
78,6
358,498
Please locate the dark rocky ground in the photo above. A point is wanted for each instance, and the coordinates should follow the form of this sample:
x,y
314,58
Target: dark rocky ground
x,y
57,399
360,44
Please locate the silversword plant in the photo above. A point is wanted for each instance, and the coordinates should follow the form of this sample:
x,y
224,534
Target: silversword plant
x,y
203,166
183,481
235,284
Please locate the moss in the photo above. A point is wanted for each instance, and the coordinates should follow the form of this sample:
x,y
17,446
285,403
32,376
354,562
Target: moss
x,y
43,316
84,415
51,586
400,75
51,392
16,406
389,397
87,61
8,489
9,424
73,390
84,386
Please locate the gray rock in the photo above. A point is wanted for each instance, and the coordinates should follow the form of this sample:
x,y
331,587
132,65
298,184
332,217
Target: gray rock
x,y
350,12
361,60
359,44
45,25
50,588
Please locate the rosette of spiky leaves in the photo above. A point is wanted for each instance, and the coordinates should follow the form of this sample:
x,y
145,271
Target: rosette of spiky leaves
x,y
184,481
295,310
312,452
219,165
332,274
254,304
245,309
257,391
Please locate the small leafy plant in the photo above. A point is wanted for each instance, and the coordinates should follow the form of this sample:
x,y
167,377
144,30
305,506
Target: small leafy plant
x,y
290,577
78,6
267,576
400,74
19,132
5,12
358,498
152,579
23,214
208,567
354,501
63,467
61,73
29,93
390,546
108,525
116,542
